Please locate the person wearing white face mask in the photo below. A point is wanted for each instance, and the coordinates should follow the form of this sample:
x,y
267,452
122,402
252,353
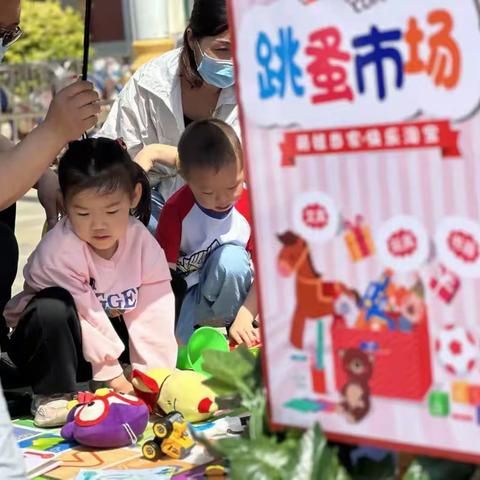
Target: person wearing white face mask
x,y
169,92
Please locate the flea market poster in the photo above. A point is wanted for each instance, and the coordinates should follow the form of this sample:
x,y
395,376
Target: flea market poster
x,y
362,133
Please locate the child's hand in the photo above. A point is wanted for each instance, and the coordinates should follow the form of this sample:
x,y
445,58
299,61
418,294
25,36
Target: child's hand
x,y
242,330
121,384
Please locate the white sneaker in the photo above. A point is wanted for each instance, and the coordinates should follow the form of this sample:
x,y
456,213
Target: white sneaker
x,y
50,410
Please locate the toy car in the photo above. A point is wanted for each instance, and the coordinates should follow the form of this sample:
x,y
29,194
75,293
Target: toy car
x,y
172,438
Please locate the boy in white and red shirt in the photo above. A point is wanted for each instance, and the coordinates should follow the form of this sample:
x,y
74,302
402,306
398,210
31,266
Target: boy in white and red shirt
x,y
205,232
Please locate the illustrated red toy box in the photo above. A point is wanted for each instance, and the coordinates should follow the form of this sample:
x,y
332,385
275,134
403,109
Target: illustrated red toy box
x,y
401,360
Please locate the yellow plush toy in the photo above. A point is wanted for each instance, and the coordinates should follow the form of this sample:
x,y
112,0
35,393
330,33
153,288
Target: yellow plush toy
x,y
182,391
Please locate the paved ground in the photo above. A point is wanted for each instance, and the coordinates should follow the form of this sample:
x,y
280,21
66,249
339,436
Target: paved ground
x,y
30,219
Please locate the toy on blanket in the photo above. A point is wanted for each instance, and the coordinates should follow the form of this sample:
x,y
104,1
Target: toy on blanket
x,y
176,390
190,356
106,419
204,338
172,438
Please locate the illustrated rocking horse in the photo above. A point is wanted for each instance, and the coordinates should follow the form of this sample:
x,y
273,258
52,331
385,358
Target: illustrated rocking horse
x,y
315,297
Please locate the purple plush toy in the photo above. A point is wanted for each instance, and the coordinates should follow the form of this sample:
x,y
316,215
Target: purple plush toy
x,y
106,421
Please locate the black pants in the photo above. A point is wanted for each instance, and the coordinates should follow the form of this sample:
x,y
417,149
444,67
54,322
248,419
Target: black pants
x,y
47,343
8,265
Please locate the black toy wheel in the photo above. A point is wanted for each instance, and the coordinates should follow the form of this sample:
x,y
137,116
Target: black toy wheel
x,y
151,450
162,429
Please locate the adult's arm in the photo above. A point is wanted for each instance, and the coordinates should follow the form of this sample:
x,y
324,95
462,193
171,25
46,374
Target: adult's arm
x,y
73,111
47,187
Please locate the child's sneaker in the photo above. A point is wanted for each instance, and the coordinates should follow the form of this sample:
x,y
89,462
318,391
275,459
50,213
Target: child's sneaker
x,y
50,410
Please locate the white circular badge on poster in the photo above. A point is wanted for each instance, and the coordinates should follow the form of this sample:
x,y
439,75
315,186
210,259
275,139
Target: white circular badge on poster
x,y
315,217
457,241
402,243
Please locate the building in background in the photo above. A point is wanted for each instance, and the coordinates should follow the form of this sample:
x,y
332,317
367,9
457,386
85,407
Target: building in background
x,y
140,29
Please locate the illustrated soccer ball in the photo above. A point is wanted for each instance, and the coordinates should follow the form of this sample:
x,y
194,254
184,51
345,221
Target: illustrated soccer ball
x,y
457,350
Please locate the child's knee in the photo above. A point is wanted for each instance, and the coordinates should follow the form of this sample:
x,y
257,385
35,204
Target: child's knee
x,y
53,307
231,260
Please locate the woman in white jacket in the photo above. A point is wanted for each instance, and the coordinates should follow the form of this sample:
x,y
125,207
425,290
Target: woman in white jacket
x,y
166,94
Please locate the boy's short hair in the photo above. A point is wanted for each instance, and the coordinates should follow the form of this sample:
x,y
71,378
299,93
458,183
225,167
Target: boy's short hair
x,y
209,144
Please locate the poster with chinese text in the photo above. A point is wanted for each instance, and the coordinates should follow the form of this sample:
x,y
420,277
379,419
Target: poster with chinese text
x,y
361,128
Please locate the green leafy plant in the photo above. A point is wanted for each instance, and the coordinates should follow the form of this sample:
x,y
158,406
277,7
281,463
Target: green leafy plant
x,y
261,454
426,468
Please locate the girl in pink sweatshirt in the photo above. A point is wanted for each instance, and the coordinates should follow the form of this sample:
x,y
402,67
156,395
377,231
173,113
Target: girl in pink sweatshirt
x,y
97,288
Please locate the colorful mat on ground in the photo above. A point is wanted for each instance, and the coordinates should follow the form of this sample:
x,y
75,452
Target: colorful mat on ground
x,y
49,457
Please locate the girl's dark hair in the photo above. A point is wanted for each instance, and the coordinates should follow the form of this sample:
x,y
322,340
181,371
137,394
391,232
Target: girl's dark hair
x,y
208,144
208,19
104,165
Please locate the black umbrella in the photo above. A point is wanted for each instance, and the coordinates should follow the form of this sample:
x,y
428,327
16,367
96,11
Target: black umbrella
x,y
86,43
86,37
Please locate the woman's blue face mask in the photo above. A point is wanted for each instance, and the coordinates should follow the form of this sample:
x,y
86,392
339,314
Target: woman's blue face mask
x,y
218,73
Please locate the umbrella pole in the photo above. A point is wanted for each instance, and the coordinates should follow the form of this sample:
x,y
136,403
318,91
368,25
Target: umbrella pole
x,y
86,38
86,43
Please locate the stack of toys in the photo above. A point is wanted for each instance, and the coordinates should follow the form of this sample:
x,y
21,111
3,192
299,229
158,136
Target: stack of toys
x,y
388,322
384,306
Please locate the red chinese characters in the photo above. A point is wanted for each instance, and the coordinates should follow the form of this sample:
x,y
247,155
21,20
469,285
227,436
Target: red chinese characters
x,y
328,73
464,246
402,243
424,134
315,216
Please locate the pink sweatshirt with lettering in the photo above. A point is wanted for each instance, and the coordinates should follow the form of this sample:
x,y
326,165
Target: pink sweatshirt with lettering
x,y
134,282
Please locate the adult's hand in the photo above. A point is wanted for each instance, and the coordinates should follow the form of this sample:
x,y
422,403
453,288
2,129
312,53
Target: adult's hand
x,y
146,158
157,152
73,110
